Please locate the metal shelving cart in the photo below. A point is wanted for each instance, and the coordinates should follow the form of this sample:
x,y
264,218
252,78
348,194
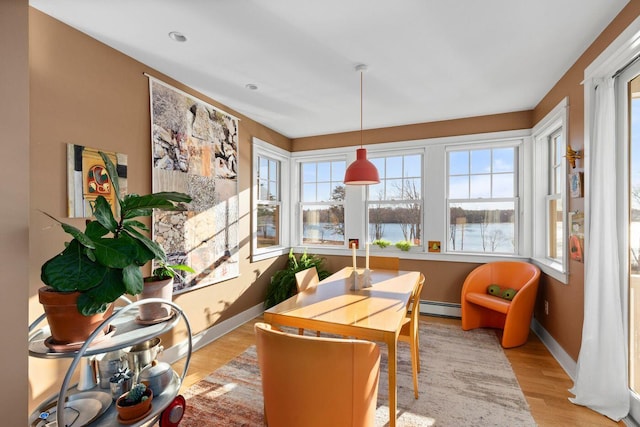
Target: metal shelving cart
x,y
124,331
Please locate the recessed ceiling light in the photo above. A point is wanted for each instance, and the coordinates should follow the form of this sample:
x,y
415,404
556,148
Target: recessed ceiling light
x,y
177,36
251,86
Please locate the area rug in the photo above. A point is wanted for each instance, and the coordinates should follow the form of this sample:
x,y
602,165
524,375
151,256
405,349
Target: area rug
x,y
466,380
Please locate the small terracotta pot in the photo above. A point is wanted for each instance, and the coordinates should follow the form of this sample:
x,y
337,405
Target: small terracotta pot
x,y
133,412
156,289
67,324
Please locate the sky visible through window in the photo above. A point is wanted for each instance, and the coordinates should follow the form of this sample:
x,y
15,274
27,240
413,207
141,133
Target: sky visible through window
x,y
483,174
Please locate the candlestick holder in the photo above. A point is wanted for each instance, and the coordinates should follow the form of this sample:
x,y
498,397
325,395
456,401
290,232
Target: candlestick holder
x,y
354,281
365,278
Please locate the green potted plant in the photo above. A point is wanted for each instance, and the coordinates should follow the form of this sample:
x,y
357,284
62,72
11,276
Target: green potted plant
x,y
160,285
134,404
381,243
103,262
404,245
283,282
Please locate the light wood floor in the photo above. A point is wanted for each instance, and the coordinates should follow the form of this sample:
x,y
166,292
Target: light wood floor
x,y
543,382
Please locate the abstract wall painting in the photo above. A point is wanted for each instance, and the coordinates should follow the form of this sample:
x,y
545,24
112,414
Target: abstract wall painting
x,y
87,179
195,151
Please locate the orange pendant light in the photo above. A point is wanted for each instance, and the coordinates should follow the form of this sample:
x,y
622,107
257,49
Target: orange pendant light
x,y
362,171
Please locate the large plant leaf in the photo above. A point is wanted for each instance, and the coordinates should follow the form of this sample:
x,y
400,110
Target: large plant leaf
x,y
104,215
113,174
174,196
95,230
72,270
116,253
81,237
153,249
132,279
133,223
96,299
134,205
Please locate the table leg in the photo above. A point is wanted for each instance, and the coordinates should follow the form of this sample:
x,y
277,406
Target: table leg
x,y
392,345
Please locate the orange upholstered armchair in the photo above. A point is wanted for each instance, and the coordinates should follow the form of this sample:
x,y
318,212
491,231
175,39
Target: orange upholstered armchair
x,y
479,309
312,382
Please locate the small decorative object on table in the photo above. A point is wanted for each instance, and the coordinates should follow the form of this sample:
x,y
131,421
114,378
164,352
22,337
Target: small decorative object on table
x,y
365,279
135,404
353,280
120,382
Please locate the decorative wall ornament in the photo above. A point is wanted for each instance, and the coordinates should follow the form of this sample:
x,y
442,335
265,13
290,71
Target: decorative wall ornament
x,y
195,151
575,184
87,179
576,236
573,155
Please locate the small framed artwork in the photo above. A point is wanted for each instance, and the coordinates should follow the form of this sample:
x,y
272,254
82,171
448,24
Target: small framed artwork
x,y
434,246
354,242
87,179
576,236
575,184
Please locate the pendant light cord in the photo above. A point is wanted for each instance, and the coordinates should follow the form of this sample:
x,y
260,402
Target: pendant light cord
x,y
361,79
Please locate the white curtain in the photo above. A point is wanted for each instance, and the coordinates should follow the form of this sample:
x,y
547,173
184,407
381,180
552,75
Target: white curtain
x,y
601,377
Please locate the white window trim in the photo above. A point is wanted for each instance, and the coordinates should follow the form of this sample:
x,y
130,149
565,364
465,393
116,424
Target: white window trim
x,y
518,144
556,119
434,207
264,149
396,152
297,159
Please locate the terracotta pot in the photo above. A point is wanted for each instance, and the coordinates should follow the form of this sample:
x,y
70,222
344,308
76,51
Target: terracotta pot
x,y
67,324
133,412
156,289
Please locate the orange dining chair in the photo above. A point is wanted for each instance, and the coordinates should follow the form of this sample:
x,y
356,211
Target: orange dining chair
x,y
410,333
384,263
312,382
307,279
481,310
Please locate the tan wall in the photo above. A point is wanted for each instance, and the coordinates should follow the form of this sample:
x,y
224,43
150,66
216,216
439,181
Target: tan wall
x,y
14,193
467,126
83,92
566,311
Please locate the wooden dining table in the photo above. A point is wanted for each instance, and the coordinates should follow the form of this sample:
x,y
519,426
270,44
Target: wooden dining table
x,y
375,313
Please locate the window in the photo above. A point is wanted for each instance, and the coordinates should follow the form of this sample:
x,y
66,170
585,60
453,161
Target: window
x,y
268,203
322,195
482,200
270,200
554,199
453,198
549,202
394,206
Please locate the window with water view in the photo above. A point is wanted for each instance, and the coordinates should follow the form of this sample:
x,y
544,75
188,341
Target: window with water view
x,y
482,200
394,206
268,203
322,202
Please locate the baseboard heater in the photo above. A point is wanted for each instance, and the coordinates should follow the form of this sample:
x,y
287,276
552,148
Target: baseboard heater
x,y
441,309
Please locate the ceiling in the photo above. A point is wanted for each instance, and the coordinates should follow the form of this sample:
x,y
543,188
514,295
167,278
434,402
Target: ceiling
x,y
427,60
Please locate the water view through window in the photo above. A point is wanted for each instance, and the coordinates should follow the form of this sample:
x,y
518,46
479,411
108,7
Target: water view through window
x,y
482,200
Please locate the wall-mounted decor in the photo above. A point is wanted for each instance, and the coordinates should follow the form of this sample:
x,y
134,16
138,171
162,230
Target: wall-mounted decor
x,y
434,246
195,151
87,179
354,243
576,236
575,184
